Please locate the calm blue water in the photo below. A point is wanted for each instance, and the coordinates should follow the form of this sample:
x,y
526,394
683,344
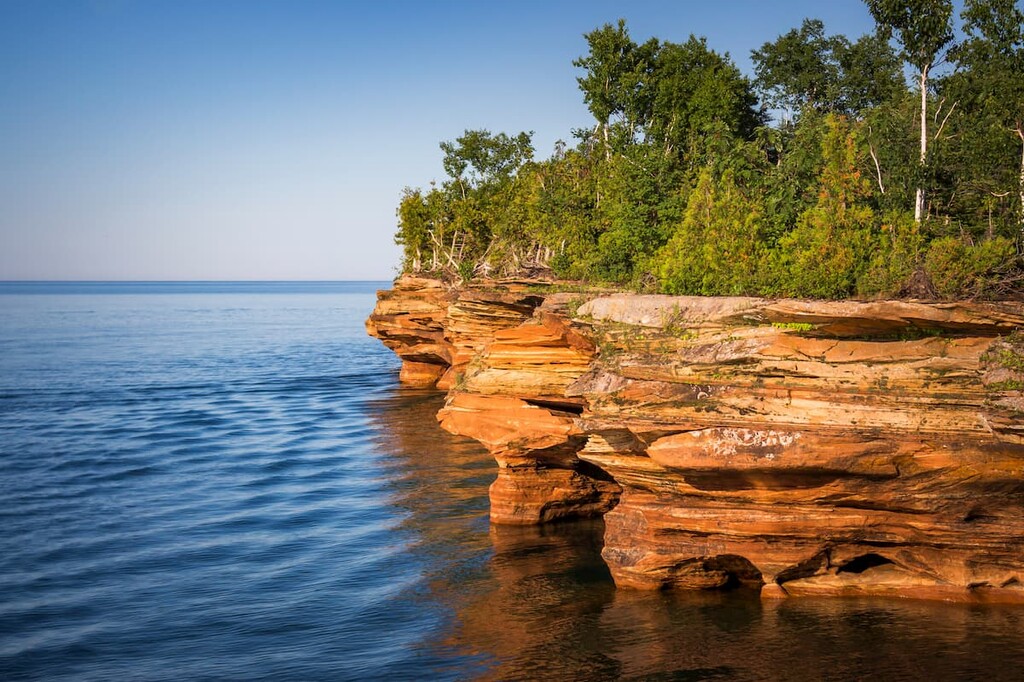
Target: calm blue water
x,y
224,481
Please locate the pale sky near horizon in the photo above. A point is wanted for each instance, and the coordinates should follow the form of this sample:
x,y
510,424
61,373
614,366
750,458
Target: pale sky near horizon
x,y
271,140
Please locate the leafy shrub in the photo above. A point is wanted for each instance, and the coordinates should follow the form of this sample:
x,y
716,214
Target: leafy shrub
x,y
959,269
896,256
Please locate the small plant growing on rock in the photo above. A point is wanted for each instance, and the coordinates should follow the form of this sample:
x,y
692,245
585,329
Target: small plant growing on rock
x,y
1003,364
794,326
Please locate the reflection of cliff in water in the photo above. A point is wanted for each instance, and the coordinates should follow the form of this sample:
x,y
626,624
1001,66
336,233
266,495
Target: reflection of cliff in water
x,y
541,618
700,636
553,614
433,470
439,480
505,596
538,602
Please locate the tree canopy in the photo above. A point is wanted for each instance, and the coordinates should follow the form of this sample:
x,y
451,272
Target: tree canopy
x,y
826,175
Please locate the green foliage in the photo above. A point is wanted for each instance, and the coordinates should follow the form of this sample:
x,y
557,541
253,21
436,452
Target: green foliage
x,y
718,248
983,152
695,91
1008,385
924,30
480,158
680,184
897,256
794,326
922,27
789,184
466,270
615,71
799,69
666,95
805,69
830,247
1006,353
890,155
871,73
959,269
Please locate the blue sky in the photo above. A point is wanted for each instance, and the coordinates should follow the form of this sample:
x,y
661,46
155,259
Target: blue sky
x,y
271,140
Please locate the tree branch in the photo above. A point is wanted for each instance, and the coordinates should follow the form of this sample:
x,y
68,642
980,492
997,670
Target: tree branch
x,y
878,168
939,131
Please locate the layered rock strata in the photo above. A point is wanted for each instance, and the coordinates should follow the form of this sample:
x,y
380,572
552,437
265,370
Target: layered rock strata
x,y
802,448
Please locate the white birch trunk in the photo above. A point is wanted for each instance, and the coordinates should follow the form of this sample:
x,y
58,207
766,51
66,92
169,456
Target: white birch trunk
x,y
1020,183
919,199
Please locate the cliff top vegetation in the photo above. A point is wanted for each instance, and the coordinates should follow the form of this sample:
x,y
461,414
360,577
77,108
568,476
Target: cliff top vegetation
x,y
827,175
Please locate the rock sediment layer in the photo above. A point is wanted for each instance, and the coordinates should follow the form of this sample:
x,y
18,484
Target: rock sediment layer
x,y
799,447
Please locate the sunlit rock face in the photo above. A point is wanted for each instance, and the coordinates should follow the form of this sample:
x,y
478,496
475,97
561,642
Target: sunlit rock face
x,y
507,362
805,448
410,320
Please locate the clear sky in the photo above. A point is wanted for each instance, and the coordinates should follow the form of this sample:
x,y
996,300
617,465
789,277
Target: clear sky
x,y
271,140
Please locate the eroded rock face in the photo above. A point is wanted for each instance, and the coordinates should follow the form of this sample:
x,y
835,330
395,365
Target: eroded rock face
x,y
540,476
506,363
436,329
806,448
410,320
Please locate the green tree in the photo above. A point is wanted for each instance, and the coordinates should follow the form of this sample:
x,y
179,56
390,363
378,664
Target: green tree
x,y
806,68
799,69
697,91
959,268
897,254
990,82
789,183
719,247
830,248
613,83
924,29
870,74
479,158
425,231
566,195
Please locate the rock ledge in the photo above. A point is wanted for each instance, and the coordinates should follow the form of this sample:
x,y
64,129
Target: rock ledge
x,y
801,447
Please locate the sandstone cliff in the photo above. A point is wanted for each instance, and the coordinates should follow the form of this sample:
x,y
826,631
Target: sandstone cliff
x,y
799,447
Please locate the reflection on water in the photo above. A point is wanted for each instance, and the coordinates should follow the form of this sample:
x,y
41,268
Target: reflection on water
x,y
736,636
538,602
541,613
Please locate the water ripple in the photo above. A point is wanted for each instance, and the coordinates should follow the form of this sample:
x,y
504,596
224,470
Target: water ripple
x,y
230,486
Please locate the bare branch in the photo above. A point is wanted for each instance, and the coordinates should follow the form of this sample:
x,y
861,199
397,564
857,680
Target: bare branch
x,y
878,169
938,108
939,131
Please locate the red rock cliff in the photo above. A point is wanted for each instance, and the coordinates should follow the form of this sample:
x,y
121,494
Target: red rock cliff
x,y
804,448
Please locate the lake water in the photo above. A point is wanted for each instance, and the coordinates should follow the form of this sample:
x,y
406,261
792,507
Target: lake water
x,y
225,481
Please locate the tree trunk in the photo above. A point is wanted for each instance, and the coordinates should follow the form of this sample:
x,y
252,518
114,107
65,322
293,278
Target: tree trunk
x,y
1020,183
919,199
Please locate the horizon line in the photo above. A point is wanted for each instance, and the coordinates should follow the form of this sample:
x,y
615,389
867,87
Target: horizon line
x,y
183,281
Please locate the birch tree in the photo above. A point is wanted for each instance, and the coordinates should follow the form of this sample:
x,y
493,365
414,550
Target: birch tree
x,y
924,31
